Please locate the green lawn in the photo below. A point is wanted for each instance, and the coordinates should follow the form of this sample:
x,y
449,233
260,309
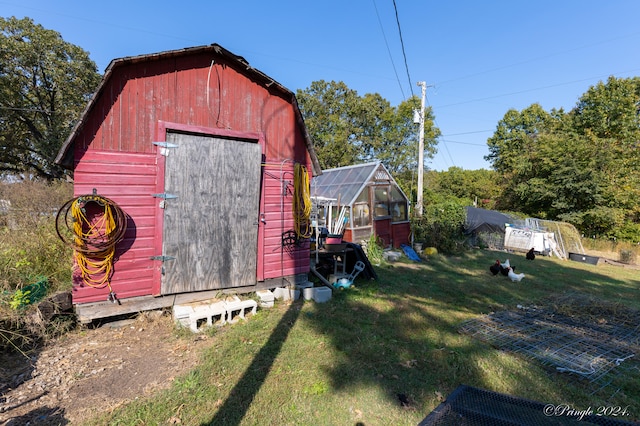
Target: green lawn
x,y
346,361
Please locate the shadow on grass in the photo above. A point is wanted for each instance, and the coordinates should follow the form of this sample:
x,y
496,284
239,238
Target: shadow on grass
x,y
400,333
239,400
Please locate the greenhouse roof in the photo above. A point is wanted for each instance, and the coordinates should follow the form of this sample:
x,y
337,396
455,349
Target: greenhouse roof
x,y
345,183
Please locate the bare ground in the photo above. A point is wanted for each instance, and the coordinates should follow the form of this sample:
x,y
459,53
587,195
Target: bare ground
x,y
90,371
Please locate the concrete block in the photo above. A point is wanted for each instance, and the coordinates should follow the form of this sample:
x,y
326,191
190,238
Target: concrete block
x,y
237,309
266,298
218,312
302,287
307,293
321,294
284,293
181,314
199,314
391,256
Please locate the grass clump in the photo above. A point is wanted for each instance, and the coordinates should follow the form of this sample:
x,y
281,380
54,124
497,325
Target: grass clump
x,y
374,249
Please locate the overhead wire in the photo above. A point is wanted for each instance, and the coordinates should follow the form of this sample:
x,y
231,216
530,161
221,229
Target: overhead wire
x,y
404,55
384,36
444,141
395,7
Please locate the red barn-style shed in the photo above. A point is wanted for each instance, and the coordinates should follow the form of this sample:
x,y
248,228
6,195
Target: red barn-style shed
x,y
198,149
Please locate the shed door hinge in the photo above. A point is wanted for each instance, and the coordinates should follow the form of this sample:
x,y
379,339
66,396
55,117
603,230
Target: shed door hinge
x,y
162,258
165,147
164,197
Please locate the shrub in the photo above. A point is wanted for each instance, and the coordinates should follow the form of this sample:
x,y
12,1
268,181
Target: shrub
x,y
440,226
29,244
373,249
30,252
627,256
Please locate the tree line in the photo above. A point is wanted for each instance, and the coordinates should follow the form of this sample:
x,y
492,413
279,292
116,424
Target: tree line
x,y
580,166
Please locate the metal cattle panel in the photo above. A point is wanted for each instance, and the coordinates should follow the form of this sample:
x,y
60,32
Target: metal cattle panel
x,y
211,226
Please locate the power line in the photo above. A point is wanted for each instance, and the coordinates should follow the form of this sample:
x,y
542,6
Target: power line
x,y
532,90
25,109
537,59
388,50
463,143
468,133
395,7
444,141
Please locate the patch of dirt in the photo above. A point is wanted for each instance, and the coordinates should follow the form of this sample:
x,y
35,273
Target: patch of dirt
x,y
90,371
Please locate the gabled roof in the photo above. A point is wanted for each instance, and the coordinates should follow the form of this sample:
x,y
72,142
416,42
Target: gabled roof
x,y
348,182
65,154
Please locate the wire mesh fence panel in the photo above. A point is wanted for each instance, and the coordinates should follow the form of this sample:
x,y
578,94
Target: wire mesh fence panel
x,y
585,349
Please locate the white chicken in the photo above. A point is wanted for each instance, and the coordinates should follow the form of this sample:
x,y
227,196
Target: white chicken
x,y
504,268
513,276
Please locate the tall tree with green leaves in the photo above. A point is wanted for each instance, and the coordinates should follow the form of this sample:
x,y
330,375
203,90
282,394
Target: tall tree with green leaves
x,y
473,186
45,83
582,167
608,117
329,110
349,129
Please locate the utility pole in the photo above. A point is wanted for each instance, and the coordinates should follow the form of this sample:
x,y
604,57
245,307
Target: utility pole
x,y
421,150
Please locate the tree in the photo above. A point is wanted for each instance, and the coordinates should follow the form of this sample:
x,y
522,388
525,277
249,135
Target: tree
x,y
582,167
608,116
512,148
610,110
45,83
329,114
474,186
349,129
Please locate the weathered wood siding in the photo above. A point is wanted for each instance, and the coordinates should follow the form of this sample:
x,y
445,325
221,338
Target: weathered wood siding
x,y
128,179
211,227
198,90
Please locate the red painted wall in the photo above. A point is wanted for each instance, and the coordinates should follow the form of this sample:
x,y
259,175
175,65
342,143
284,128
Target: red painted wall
x,y
382,228
277,261
400,233
128,179
114,153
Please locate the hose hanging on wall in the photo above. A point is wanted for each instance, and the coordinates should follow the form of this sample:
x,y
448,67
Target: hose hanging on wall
x,y
92,225
301,201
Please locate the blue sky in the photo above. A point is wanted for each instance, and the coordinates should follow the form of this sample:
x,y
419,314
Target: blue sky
x,y
479,59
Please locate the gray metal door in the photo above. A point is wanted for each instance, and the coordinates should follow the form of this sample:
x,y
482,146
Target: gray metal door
x,y
211,227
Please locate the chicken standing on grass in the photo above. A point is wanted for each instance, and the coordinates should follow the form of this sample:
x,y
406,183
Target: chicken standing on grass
x,y
513,276
495,268
505,266
531,255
